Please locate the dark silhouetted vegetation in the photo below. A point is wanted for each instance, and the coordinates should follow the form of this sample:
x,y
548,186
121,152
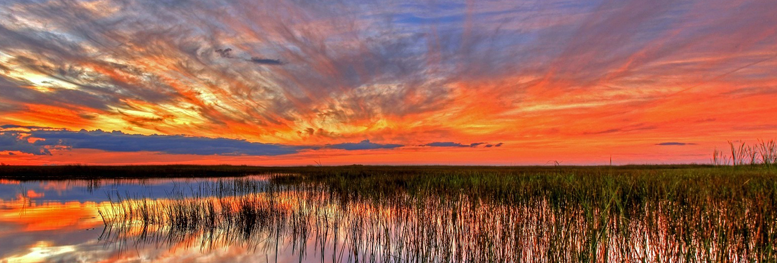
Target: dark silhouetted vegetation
x,y
68,172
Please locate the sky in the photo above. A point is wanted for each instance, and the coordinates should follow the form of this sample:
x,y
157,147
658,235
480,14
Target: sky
x,y
283,82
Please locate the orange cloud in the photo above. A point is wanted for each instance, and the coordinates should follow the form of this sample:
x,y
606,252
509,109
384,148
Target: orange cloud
x,y
567,81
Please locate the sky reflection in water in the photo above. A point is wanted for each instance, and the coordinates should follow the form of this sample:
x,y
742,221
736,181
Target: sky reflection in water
x,y
42,221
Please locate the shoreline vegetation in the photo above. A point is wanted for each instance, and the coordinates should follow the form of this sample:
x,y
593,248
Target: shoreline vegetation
x,y
758,156
86,172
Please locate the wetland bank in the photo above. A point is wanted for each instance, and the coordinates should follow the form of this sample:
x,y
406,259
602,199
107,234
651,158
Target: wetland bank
x,y
679,213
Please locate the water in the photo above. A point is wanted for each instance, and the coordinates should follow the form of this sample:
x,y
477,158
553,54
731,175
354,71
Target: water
x,y
44,221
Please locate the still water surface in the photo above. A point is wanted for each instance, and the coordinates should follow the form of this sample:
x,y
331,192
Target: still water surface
x,y
58,221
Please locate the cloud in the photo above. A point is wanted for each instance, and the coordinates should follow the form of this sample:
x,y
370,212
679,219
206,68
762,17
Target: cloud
x,y
128,60
752,91
15,138
363,145
674,144
629,128
18,93
117,141
14,141
455,144
265,61
227,53
445,144
403,71
224,53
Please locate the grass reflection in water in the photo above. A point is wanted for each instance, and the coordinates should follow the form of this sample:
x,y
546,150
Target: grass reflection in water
x,y
364,214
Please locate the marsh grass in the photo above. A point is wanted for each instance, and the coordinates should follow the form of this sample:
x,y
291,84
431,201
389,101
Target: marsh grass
x,y
761,153
422,214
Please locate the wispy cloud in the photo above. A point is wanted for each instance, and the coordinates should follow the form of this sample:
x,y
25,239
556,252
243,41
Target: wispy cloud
x,y
397,72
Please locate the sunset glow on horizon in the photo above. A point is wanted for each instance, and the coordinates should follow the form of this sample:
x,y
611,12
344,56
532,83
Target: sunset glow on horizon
x,y
289,82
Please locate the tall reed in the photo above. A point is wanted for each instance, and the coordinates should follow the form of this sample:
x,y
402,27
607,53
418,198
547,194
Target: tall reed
x,y
561,214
